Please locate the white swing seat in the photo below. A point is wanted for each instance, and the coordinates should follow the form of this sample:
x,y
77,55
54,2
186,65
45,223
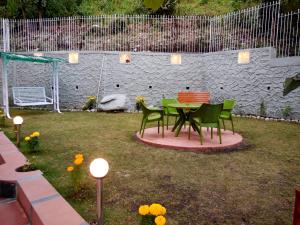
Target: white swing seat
x,y
30,96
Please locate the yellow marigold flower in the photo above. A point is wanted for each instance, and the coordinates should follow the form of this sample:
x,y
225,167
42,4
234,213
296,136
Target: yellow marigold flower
x,y
78,161
160,220
139,98
27,138
78,156
91,97
70,168
155,209
36,134
143,210
31,135
163,210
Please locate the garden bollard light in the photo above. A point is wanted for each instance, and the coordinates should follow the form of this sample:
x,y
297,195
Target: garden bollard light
x,y
18,120
98,169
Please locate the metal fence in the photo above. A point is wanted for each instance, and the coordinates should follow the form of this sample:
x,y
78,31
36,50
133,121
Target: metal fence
x,y
260,26
288,40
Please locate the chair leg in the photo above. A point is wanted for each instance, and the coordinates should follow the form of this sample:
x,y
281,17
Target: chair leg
x,y
232,126
190,130
201,141
211,133
142,125
223,124
167,122
158,126
220,135
163,131
144,128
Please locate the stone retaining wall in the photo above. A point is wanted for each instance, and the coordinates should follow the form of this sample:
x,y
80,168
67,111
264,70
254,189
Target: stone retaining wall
x,y
152,75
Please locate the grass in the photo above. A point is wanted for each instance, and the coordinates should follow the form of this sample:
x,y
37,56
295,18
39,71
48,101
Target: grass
x,y
251,186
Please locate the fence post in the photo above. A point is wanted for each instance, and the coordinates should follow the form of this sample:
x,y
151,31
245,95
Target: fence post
x,y
3,34
277,30
6,35
210,35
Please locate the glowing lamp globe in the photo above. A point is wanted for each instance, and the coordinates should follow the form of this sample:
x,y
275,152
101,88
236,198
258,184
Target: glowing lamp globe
x,y
18,120
99,168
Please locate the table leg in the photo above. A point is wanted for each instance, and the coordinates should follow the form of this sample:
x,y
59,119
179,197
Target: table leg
x,y
181,121
196,128
176,124
179,128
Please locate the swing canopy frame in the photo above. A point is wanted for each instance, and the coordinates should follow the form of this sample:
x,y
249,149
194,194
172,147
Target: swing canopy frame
x,y
8,56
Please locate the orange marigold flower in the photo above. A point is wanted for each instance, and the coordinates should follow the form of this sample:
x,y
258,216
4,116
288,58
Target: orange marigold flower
x,y
155,209
163,210
78,161
160,220
78,156
143,210
70,168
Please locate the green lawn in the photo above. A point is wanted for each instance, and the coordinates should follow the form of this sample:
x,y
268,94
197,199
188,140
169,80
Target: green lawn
x,y
250,186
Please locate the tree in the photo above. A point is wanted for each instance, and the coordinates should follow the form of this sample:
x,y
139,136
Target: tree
x,y
162,7
287,5
26,9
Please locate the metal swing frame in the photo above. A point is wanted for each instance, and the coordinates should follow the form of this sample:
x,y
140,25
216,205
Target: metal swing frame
x,y
6,57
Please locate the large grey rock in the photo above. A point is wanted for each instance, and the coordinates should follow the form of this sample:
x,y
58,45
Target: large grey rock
x,y
113,102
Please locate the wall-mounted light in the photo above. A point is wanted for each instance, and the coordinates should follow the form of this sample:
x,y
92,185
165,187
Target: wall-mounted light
x,y
125,57
38,54
175,59
73,57
244,57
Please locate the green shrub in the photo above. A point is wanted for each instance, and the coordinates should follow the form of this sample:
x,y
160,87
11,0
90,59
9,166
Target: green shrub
x,y
90,104
287,111
33,141
263,109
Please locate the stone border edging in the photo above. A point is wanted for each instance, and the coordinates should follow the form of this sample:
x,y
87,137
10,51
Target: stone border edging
x,y
266,118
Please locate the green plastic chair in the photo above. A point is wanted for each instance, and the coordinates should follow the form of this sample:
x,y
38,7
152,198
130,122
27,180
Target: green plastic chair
x,y
206,116
169,111
226,112
151,115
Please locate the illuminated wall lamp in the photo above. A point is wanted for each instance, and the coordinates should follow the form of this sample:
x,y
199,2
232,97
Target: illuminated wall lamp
x,y
175,59
38,54
125,57
244,57
73,57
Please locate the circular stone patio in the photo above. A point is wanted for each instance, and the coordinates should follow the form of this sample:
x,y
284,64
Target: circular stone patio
x,y
230,141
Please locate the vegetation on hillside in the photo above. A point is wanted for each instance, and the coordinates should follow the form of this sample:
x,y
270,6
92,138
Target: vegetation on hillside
x,y
59,8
